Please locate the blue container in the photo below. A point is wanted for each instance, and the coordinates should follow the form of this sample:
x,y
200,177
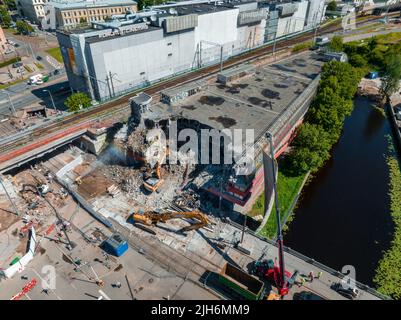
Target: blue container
x,y
373,75
115,245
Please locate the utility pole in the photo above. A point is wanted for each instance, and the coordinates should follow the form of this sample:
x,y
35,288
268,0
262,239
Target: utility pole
x,y
112,85
11,103
108,86
51,97
221,59
274,44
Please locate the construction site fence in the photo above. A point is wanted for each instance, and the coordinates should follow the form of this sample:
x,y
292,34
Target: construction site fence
x,y
312,262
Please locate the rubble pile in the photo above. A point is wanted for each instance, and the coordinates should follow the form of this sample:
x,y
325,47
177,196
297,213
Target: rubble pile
x,y
126,178
188,200
137,140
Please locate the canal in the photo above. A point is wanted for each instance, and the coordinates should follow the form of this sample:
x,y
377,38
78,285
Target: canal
x,y
343,214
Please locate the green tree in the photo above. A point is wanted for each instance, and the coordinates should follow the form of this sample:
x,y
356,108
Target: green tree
x,y
24,27
147,3
11,4
332,6
78,101
391,78
347,76
5,17
310,148
336,44
358,61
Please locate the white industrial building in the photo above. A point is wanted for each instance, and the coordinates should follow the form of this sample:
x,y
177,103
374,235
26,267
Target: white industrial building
x,y
136,49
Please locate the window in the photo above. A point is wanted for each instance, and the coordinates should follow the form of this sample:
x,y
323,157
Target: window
x,y
169,44
170,54
142,73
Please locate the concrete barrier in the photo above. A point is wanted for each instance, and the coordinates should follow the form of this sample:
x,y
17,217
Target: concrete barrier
x,y
20,265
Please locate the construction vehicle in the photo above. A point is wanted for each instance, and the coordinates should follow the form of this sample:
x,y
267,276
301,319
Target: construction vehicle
x,y
240,284
153,183
152,218
268,269
78,180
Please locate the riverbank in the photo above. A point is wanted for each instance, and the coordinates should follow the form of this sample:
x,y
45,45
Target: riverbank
x,y
388,272
288,188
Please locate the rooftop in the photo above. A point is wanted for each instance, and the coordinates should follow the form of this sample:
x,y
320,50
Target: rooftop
x,y
252,102
77,4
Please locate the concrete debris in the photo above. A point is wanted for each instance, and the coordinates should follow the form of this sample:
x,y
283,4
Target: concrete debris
x,y
113,190
188,200
137,140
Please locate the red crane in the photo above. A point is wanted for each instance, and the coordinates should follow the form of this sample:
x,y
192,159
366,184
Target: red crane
x,y
267,268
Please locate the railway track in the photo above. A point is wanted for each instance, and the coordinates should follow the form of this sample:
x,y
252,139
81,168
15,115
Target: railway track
x,y
106,110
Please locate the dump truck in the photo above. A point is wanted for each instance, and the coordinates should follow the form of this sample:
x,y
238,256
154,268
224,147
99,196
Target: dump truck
x,y
241,283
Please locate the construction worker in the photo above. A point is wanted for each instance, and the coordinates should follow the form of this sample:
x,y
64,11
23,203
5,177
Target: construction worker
x,y
302,282
311,276
319,274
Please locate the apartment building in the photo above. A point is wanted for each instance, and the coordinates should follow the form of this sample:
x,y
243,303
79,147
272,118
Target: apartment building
x,y
70,13
33,10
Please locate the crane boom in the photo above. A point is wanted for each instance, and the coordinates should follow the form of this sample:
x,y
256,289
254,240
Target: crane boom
x,y
281,281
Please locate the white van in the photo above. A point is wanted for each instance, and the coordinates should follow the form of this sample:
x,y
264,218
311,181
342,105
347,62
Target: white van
x,y
36,79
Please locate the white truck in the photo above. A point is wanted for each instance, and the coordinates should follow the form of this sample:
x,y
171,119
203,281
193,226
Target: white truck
x,y
36,79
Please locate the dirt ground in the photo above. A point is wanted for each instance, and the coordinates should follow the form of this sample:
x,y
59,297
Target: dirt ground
x,y
7,217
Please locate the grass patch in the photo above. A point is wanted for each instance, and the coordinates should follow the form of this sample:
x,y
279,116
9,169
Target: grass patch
x,y
39,65
56,54
389,38
388,272
302,46
4,86
10,61
287,188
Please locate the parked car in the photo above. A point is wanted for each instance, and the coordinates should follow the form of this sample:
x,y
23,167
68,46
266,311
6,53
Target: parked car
x,y
38,58
8,51
350,293
17,64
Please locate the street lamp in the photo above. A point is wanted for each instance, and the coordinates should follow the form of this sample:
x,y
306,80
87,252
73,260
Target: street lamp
x,y
51,97
9,99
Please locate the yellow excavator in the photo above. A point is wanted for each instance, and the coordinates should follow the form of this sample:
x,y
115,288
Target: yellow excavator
x,y
153,183
151,218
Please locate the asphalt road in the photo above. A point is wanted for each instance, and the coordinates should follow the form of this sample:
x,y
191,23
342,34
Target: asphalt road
x,y
23,94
